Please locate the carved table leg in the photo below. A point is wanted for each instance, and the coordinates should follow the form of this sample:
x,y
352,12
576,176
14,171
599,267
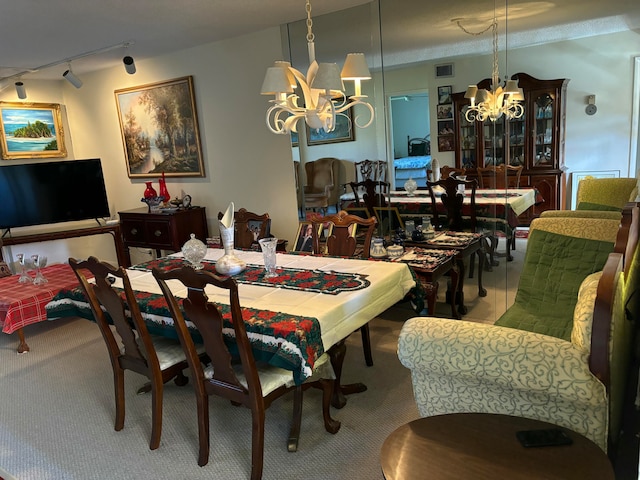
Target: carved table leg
x,y
337,353
22,345
455,278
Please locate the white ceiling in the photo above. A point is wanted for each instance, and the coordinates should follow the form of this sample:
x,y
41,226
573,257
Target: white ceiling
x,y
34,33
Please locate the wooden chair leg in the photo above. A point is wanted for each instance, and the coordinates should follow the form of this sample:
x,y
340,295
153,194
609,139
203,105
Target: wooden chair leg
x,y
366,344
294,434
203,429
257,443
156,414
118,386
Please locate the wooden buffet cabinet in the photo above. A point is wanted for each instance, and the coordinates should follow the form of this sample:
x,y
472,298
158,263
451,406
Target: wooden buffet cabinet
x,y
162,230
536,140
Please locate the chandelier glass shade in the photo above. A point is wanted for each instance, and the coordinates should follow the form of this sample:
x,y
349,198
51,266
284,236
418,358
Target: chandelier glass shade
x,y
493,104
318,96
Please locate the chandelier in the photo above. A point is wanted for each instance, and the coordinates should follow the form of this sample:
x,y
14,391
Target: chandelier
x,y
492,104
323,96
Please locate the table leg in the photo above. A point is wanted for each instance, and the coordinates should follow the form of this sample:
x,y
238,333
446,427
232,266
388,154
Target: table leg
x,y
458,297
482,292
22,345
337,354
455,277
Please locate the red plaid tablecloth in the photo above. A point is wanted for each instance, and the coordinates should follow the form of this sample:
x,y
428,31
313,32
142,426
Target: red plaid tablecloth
x,y
23,304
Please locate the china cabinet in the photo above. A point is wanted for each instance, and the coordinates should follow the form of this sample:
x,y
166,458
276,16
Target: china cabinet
x,y
535,140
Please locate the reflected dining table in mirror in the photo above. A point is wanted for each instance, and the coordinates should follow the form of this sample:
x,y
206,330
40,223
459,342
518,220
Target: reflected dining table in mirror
x,y
496,210
311,306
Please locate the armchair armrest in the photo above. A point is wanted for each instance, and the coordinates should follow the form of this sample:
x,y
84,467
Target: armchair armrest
x,y
487,354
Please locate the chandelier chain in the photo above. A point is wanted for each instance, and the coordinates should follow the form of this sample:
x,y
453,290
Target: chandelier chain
x,y
469,32
310,35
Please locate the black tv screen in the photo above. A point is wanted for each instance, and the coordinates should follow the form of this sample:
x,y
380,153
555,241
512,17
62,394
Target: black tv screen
x,y
52,192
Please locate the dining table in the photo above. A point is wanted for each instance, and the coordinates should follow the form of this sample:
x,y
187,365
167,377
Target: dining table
x,y
312,305
496,209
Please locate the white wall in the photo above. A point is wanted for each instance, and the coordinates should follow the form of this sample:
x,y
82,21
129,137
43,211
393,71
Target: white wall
x,y
244,162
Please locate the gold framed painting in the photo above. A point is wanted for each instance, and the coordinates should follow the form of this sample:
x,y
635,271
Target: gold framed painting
x,y
31,130
159,127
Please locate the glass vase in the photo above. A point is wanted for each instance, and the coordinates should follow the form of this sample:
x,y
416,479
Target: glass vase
x,y
150,192
164,193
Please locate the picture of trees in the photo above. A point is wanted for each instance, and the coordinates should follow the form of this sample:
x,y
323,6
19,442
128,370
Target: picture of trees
x,y
159,128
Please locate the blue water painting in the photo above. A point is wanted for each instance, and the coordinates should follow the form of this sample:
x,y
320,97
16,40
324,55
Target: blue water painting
x,y
14,118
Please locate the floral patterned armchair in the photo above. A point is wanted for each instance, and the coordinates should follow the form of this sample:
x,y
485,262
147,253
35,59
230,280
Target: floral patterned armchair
x,y
577,383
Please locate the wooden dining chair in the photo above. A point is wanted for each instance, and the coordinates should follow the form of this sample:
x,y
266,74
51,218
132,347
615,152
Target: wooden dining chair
x,y
370,194
501,177
452,201
446,171
129,343
342,242
246,382
249,227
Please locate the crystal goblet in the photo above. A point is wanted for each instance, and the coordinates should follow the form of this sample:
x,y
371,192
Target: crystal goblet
x,y
24,267
39,261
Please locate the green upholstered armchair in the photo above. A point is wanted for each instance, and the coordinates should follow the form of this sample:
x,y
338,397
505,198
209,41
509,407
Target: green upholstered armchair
x,y
575,382
603,193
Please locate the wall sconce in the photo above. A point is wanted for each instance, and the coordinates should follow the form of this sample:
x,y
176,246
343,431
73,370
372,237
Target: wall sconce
x,y
73,80
20,90
129,65
591,108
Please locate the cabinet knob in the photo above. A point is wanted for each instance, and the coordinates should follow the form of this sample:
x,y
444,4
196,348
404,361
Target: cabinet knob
x,y
157,233
134,231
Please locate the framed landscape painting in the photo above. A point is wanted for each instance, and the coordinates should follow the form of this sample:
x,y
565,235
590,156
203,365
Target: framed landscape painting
x,y
344,131
31,130
159,128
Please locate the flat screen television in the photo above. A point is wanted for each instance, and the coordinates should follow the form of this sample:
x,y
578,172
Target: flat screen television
x,y
52,192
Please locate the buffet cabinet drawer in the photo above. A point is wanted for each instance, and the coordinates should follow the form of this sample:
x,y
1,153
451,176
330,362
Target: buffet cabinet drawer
x,y
163,230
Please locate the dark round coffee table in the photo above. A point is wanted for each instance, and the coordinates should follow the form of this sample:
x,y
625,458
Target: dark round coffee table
x,y
484,446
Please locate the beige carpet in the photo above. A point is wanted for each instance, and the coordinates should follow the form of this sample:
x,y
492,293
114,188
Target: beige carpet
x,y
58,411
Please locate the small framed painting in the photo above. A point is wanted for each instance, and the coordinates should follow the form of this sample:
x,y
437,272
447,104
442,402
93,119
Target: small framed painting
x,y
444,94
445,111
31,130
344,131
445,143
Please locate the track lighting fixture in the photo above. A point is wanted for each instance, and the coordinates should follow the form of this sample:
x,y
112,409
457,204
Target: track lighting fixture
x,y
73,80
21,91
129,65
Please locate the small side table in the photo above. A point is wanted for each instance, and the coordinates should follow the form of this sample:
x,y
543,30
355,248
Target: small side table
x,y
484,446
162,230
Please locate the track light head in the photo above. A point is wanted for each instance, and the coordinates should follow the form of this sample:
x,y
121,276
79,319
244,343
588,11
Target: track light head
x,y
129,65
20,90
73,80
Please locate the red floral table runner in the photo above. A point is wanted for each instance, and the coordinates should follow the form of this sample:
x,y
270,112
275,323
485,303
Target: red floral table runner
x,y
287,341
319,281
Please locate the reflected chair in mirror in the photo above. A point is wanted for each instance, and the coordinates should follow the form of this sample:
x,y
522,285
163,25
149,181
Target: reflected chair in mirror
x,y
342,242
129,343
418,147
375,170
370,194
456,217
446,171
501,177
245,382
321,187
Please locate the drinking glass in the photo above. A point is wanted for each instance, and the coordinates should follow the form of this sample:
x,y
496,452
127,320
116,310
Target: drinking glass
x,y
39,261
268,246
24,267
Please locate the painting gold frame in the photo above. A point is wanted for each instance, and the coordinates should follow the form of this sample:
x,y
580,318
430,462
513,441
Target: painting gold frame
x,y
41,134
159,127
